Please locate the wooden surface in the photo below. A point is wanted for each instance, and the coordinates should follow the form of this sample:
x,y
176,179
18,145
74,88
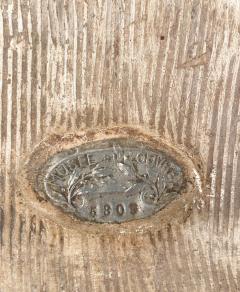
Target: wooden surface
x,y
171,67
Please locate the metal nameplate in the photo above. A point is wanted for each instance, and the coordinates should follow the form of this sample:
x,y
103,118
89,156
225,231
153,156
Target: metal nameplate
x,y
111,181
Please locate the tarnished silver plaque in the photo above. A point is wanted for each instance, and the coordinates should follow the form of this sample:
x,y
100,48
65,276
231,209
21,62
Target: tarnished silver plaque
x,y
111,181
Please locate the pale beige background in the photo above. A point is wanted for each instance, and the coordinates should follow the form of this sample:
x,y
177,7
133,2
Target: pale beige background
x,y
171,67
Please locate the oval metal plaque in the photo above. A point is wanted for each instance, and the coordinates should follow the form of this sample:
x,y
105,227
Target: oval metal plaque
x,y
111,181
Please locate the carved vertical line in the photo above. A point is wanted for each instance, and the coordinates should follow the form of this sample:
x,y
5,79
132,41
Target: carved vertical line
x,y
114,262
159,277
2,53
19,79
8,99
214,272
161,59
79,70
148,67
86,266
185,258
38,117
33,72
64,78
172,265
208,279
233,286
236,204
231,154
74,73
125,68
139,265
84,59
91,105
203,102
45,34
20,228
98,66
103,242
106,77
4,105
172,49
53,45
19,37
42,243
49,62
223,125
187,75
59,253
116,31
122,265
12,199
198,240
211,153
197,268
32,250
197,81
173,256
29,102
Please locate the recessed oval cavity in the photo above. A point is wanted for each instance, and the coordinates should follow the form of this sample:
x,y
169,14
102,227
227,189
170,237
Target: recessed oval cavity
x,y
111,181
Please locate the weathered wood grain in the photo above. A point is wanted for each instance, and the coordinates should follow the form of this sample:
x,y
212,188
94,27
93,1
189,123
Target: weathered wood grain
x,y
171,67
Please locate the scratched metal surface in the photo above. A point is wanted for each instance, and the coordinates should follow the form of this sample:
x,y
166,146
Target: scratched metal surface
x,y
171,67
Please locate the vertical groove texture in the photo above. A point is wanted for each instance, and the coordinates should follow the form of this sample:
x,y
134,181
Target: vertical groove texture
x,y
171,67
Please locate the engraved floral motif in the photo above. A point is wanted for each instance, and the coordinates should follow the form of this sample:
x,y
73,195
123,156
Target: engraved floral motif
x,y
115,183
84,180
91,178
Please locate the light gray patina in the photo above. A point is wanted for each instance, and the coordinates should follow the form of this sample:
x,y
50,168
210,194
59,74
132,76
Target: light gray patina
x,y
111,181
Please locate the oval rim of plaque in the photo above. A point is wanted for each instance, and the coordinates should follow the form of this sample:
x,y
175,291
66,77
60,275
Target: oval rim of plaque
x,y
176,211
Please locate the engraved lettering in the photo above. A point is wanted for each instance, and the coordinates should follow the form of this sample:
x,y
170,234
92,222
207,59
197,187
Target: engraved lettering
x,y
133,208
62,170
120,209
72,164
93,211
141,157
107,210
116,180
152,159
53,177
90,159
